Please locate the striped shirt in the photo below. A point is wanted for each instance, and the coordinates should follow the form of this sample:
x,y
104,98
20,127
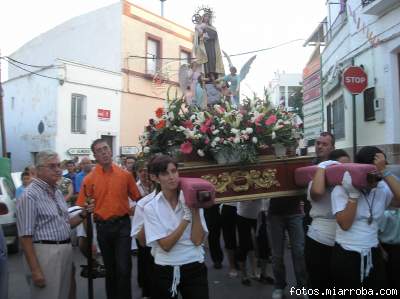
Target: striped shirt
x,y
43,213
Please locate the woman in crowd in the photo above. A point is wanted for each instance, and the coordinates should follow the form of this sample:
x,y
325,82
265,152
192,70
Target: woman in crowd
x,y
356,258
320,238
176,234
145,260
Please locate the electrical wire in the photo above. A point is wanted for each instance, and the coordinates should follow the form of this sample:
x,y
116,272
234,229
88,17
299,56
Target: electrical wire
x,y
29,71
23,63
237,54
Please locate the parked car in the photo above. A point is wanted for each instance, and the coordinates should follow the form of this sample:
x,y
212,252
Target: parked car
x,y
3,267
8,217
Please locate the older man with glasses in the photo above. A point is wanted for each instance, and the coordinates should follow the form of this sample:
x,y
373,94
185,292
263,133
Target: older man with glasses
x,y
44,229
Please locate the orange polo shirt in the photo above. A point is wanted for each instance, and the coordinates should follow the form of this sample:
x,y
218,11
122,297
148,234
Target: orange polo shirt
x,y
110,190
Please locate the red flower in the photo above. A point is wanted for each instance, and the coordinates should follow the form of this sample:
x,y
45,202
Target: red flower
x,y
186,148
188,124
161,124
159,112
204,128
271,120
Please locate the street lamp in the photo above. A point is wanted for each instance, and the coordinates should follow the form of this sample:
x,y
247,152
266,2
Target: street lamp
x,y
162,7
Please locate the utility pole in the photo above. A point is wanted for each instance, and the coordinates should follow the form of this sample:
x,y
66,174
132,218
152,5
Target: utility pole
x,y
3,131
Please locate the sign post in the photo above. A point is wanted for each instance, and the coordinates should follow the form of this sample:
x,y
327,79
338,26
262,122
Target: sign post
x,y
356,81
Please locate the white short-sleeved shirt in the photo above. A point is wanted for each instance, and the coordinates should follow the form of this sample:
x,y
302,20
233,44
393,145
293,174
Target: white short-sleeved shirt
x,y
249,209
138,218
160,220
361,235
323,225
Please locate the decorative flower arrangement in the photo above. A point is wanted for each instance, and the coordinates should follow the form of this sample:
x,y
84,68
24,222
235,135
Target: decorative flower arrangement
x,y
182,130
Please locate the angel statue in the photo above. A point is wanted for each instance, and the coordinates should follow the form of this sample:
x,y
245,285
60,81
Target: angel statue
x,y
206,47
234,79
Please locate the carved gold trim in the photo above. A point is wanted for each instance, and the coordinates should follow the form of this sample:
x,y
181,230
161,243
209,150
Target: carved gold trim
x,y
248,197
243,180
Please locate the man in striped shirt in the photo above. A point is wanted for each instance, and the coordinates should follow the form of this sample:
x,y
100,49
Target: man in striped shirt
x,y
44,229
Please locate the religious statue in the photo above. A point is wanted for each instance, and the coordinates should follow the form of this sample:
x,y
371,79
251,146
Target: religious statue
x,y
206,47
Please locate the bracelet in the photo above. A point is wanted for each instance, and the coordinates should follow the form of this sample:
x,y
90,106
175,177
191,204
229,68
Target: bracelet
x,y
386,173
82,217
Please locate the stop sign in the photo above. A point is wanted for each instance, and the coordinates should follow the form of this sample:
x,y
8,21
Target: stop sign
x,y
355,79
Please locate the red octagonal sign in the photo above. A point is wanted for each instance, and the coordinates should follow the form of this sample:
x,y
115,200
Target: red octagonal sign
x,y
355,79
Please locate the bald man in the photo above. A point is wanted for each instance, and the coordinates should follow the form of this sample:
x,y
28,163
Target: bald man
x,y
86,167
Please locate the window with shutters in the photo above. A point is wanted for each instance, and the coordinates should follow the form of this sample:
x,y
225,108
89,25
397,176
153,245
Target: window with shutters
x,y
153,54
369,110
78,114
329,118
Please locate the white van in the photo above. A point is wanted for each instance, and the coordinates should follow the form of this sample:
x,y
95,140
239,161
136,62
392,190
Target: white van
x,y
8,217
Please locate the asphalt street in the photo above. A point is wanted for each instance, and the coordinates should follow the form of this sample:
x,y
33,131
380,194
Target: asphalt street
x,y
221,286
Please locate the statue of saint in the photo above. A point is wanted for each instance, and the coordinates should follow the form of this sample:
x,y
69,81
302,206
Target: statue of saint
x,y
206,47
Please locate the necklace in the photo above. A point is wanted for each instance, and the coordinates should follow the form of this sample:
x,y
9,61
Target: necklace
x,y
370,207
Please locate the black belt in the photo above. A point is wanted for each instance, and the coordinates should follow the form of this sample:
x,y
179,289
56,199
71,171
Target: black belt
x,y
112,220
53,242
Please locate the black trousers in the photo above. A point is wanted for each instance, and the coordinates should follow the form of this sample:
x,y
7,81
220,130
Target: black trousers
x,y
115,244
145,265
318,262
246,244
228,215
264,250
346,271
214,225
193,282
393,265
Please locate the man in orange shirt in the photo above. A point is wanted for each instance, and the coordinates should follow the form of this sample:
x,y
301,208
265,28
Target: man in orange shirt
x,y
110,187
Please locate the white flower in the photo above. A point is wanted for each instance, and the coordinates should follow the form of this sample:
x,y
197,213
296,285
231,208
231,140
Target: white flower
x,y
273,135
217,139
249,130
215,132
146,150
193,117
171,115
200,153
213,144
234,131
254,139
236,140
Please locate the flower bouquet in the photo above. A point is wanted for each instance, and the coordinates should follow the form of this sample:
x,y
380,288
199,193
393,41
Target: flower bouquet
x,y
222,133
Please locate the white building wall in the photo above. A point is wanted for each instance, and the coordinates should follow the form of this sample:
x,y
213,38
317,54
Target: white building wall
x,y
283,80
92,39
348,41
28,101
102,91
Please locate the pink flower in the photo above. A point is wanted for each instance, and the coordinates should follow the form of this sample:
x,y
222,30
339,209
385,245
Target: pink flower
x,y
186,148
271,120
204,128
188,124
258,119
207,141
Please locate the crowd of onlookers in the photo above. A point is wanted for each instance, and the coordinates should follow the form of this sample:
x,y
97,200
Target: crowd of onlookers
x,y
337,236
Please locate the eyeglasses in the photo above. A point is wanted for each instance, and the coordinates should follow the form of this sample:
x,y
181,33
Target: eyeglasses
x,y
53,166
